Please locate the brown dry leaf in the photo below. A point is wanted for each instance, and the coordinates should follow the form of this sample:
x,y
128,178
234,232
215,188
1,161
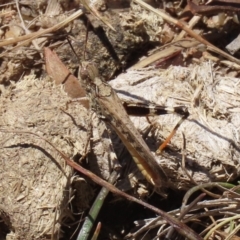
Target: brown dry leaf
x,y
61,75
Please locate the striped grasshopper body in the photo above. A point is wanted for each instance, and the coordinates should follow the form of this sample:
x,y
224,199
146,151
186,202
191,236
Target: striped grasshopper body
x,y
105,99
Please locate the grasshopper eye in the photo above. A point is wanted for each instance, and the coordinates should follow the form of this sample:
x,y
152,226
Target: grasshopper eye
x,y
92,71
83,73
89,71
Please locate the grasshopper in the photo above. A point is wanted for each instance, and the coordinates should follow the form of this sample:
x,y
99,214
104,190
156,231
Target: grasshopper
x,y
105,100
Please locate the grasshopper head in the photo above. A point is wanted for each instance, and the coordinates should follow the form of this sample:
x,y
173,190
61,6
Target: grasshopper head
x,y
92,81
88,71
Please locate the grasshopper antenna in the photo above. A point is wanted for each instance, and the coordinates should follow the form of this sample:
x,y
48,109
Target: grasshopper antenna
x,y
85,46
74,52
86,38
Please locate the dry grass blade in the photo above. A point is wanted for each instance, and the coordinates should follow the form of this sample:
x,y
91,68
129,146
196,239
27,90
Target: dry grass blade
x,y
29,37
224,222
35,44
166,51
97,231
183,213
226,225
224,186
